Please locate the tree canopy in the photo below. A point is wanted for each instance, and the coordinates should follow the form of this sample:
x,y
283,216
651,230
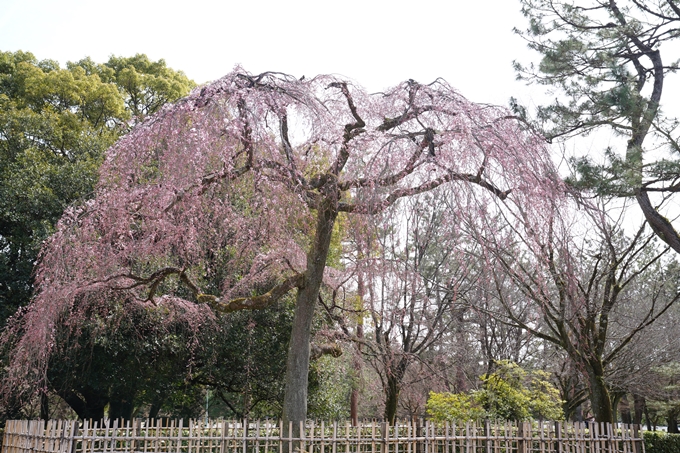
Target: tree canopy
x,y
55,124
607,64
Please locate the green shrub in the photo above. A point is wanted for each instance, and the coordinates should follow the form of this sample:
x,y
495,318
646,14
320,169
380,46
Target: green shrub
x,y
509,393
660,442
453,407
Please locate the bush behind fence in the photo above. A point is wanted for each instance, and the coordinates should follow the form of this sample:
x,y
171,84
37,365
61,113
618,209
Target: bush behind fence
x,y
661,442
264,436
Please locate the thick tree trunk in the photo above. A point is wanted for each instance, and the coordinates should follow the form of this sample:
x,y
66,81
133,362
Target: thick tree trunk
x,y
392,398
394,378
600,400
91,405
297,364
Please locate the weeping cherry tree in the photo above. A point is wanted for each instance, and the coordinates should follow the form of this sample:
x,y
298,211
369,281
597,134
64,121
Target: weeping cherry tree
x,y
249,174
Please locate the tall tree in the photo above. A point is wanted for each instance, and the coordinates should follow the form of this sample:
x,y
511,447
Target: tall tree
x,y
608,64
416,286
257,168
583,275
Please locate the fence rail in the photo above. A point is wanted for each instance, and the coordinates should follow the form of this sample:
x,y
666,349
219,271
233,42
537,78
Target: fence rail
x,y
223,436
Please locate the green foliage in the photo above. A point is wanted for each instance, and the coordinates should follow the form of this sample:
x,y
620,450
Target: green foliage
x,y
509,393
453,407
503,394
330,386
54,127
243,361
605,64
144,84
658,442
667,403
607,178
125,357
544,397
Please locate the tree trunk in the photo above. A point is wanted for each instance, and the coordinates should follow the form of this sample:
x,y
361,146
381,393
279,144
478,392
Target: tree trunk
x,y
461,353
639,405
615,399
391,398
297,364
600,400
121,408
624,409
672,419
155,407
354,406
578,414
44,406
91,405
354,397
121,402
394,378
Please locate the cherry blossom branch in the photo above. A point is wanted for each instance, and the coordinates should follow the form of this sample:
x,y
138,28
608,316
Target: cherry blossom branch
x,y
288,151
410,166
364,208
154,280
351,130
255,302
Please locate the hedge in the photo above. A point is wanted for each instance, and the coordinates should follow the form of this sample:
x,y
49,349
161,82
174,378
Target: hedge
x,y
660,442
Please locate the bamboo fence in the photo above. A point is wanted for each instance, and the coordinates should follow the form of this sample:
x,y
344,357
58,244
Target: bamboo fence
x,y
222,436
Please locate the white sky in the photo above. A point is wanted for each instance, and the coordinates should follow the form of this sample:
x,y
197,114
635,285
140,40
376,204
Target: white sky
x,y
377,43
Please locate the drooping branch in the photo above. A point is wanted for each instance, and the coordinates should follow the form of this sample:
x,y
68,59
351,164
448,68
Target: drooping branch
x,y
153,280
254,302
390,180
288,151
364,208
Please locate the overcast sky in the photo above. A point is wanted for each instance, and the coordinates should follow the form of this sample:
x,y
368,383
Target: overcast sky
x,y
469,43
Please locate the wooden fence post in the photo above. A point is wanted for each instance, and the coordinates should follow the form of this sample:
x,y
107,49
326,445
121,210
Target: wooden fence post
x,y
75,430
383,437
521,443
419,434
558,437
